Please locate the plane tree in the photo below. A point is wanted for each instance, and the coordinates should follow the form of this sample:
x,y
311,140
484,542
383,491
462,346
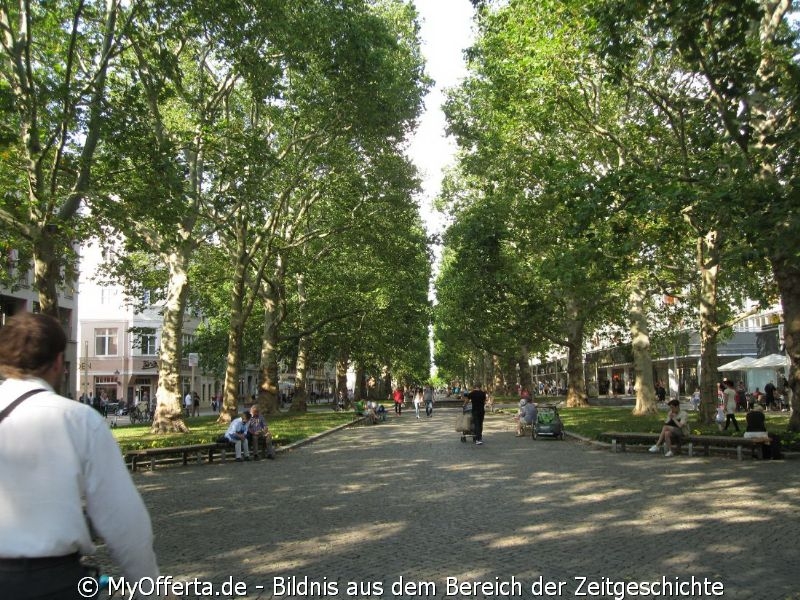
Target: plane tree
x,y
734,119
53,96
202,81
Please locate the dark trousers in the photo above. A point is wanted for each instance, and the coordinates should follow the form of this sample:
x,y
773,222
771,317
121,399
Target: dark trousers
x,y
731,418
429,408
42,579
398,407
477,424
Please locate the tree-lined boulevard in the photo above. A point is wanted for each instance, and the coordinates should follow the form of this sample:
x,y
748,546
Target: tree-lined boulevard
x,y
247,162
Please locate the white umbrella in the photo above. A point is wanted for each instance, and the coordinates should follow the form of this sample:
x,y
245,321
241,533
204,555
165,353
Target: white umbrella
x,y
738,364
771,361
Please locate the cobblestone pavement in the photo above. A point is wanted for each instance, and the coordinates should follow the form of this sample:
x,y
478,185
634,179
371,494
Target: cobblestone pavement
x,y
365,508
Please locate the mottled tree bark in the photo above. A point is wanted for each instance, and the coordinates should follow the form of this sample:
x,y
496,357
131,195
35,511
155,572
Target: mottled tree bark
x,y
646,402
169,413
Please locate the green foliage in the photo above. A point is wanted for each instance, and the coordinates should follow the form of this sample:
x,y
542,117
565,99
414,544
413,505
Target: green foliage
x,y
591,422
599,149
286,429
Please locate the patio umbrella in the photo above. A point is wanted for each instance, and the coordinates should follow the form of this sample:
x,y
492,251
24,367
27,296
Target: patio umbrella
x,y
771,361
737,365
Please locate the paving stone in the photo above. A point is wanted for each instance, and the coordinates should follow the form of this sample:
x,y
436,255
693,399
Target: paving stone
x,y
406,499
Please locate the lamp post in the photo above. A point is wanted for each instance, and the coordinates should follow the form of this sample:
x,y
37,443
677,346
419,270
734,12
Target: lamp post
x,y
85,366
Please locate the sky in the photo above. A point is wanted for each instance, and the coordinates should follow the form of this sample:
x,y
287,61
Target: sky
x,y
446,31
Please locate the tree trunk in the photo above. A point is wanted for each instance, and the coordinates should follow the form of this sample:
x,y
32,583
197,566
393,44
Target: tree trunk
x,y
358,389
300,399
230,399
342,364
169,412
268,390
576,385
386,376
500,381
46,273
525,380
708,266
787,275
646,402
509,376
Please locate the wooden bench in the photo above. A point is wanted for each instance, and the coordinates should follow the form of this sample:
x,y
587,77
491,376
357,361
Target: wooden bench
x,y
199,451
721,441
619,438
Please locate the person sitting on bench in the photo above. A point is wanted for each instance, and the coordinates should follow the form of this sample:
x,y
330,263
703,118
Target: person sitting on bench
x,y
672,430
757,428
257,428
237,435
756,423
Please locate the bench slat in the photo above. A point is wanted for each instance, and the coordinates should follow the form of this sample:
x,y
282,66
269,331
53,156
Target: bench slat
x,y
183,451
706,441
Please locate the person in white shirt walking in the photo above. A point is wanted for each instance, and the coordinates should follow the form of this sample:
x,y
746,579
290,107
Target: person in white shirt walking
x,y
57,460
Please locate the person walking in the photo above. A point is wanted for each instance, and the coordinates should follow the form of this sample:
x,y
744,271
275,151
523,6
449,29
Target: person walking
x,y
769,396
60,471
397,396
417,401
188,401
427,396
478,398
729,399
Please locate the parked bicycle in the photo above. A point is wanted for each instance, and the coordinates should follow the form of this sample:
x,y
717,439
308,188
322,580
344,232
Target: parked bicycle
x,y
140,413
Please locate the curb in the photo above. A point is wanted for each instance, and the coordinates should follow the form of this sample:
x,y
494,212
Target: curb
x,y
317,436
588,441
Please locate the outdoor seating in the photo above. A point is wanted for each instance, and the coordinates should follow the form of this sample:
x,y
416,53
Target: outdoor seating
x,y
619,441
134,457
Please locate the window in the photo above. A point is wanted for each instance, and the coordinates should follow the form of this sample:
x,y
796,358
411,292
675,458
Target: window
x,y
105,341
149,342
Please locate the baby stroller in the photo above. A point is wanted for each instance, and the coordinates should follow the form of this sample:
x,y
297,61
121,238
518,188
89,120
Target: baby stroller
x,y
464,424
548,423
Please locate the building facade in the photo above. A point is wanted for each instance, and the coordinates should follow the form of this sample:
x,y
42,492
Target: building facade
x,y
19,296
118,343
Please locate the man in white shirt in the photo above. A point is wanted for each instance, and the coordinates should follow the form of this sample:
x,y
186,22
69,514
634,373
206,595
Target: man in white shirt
x,y
57,459
237,435
187,404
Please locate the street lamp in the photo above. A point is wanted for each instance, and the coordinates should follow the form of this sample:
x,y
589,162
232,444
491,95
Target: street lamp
x,y
86,366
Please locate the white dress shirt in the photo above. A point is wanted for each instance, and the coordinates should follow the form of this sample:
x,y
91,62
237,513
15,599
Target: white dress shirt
x,y
56,456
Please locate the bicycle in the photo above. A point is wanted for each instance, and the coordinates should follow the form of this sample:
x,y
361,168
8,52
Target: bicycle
x,y
135,415
140,415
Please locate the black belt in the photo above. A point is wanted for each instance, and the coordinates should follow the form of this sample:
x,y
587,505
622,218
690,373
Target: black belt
x,y
38,563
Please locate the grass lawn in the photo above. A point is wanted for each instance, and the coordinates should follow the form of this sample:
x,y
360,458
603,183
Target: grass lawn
x,y
592,421
285,429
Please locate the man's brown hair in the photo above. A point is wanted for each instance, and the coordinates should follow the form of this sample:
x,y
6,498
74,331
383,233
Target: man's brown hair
x,y
29,343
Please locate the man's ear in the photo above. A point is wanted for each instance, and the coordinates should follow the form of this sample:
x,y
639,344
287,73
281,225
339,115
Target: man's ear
x,y
55,374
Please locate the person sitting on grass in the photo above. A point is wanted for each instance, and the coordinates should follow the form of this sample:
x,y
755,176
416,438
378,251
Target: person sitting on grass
x,y
673,429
